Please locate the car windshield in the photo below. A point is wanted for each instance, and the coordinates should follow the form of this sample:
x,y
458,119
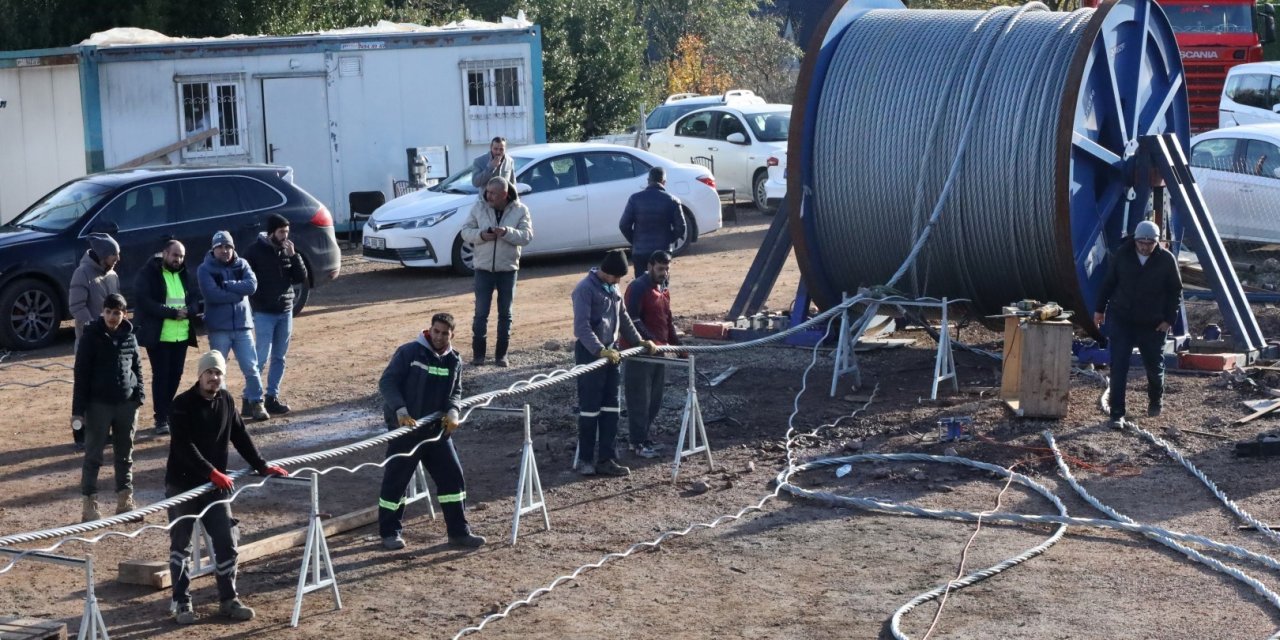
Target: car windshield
x,y
460,182
1210,18
63,207
662,117
770,126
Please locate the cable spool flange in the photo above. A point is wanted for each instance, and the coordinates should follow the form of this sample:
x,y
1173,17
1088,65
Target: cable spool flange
x,y
1047,181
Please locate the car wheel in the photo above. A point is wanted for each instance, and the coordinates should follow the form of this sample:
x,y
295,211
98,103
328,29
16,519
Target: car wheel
x,y
760,196
690,232
31,317
301,293
464,257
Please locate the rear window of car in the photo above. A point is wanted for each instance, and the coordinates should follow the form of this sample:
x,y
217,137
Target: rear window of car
x,y
256,195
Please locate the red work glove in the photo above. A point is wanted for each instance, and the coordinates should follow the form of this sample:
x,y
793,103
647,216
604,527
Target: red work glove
x,y
275,470
221,480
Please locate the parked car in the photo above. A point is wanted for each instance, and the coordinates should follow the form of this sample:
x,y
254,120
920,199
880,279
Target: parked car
x,y
1238,171
1250,95
575,192
142,209
736,142
678,104
775,188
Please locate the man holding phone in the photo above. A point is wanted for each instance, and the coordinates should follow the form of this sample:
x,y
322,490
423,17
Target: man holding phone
x,y
495,164
498,227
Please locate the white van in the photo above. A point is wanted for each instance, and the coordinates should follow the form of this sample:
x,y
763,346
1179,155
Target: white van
x,y
1251,95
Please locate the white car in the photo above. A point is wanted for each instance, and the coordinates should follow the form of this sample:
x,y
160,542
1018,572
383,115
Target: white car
x,y
775,188
1249,94
676,105
735,142
575,192
1238,172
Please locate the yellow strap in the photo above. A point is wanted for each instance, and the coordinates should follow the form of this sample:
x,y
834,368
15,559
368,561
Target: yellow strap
x,y
452,497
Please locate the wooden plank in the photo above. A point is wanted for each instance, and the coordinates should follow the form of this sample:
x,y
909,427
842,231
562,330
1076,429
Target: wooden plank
x,y
1011,366
1045,384
164,151
155,574
1207,434
1259,413
723,376
13,628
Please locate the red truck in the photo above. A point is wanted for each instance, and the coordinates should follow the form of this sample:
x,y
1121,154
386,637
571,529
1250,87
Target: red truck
x,y
1215,35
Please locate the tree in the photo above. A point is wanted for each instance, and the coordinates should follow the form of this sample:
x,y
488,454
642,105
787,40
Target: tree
x,y
691,70
751,50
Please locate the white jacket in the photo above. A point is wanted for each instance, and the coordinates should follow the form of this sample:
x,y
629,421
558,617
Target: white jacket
x,y
501,254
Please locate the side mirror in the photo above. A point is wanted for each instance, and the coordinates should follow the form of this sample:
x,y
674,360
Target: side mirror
x,y
1268,20
736,138
1275,173
522,188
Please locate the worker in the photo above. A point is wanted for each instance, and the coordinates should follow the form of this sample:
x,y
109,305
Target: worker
x,y
598,317
648,303
105,397
1139,302
424,377
167,302
203,422
495,164
653,220
498,227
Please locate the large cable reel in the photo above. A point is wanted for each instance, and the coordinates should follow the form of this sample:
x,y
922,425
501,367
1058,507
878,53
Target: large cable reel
x,y
1040,113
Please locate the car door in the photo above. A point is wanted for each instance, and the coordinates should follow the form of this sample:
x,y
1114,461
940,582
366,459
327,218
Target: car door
x,y
690,139
139,220
557,204
732,159
1213,163
612,177
1258,193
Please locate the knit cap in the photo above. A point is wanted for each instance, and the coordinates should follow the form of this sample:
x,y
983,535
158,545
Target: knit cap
x,y
212,360
223,237
1147,230
103,245
276,221
615,263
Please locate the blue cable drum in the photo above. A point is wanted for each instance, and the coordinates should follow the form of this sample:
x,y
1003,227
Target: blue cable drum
x,y
1021,123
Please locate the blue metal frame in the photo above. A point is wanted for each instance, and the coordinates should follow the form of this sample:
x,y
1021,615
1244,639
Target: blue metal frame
x,y
539,100
91,114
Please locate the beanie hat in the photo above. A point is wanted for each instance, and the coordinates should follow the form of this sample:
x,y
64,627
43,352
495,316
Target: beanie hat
x,y
223,237
103,245
615,263
212,360
276,221
1147,230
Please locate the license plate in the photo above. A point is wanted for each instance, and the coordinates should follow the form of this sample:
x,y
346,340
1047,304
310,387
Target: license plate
x,y
375,243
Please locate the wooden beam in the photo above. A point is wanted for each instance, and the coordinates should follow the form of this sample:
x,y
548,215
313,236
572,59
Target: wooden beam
x,y
12,628
156,574
164,151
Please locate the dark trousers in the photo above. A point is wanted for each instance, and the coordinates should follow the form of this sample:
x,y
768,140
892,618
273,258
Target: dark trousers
x,y
441,461
218,522
597,409
167,360
643,384
101,420
486,282
640,260
1150,343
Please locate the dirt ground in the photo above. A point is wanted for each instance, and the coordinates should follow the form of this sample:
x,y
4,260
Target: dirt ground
x,y
796,570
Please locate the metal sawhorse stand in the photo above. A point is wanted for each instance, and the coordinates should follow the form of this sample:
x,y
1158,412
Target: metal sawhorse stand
x,y
92,627
420,490
944,367
315,555
529,497
693,431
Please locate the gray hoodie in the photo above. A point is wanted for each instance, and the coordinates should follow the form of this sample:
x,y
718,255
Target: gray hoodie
x,y
90,286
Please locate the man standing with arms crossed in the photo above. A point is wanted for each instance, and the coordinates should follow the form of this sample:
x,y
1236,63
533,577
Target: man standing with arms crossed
x,y
652,221
204,422
423,377
649,305
227,281
166,303
278,267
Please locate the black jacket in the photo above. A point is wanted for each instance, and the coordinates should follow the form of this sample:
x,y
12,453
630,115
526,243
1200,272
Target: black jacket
x,y
150,310
421,380
108,368
652,221
277,273
200,432
1138,294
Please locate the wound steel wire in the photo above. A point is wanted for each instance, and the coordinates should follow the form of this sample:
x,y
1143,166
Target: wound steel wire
x,y
897,97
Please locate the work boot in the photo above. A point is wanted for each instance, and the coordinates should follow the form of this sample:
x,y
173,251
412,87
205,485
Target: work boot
x,y
235,610
1116,423
612,468
585,469
501,361
393,543
253,410
89,511
162,428
124,501
467,540
183,613
478,347
500,351
274,406
1153,409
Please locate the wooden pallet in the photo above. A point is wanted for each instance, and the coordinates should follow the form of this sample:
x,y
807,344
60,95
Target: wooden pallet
x,y
31,629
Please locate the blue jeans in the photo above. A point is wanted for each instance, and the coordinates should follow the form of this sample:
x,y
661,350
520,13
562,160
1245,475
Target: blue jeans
x,y
240,342
273,331
485,283
1124,337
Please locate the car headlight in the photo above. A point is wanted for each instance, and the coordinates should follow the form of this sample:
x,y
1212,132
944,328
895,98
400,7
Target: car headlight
x,y
429,220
